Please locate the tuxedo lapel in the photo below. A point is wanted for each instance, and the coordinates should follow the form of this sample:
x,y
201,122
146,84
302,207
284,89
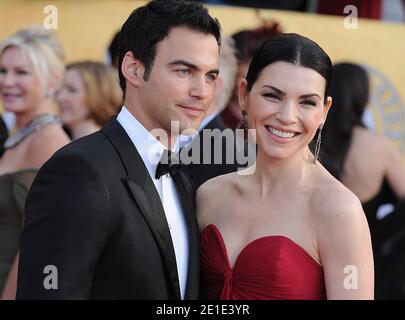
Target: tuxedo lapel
x,y
186,194
154,215
216,123
146,197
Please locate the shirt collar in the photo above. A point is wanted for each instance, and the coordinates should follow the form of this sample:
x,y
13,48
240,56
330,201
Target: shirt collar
x,y
207,120
149,148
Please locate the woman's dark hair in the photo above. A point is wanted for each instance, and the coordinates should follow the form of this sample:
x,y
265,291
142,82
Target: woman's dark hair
x,y
292,48
151,23
350,95
247,42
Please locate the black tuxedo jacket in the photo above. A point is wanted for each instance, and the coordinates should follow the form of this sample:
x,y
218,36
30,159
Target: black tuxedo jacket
x,y
93,214
200,173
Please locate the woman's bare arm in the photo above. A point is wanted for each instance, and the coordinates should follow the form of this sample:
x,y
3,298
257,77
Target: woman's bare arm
x,y
345,248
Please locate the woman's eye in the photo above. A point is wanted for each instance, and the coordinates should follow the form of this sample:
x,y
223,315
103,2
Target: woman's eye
x,y
22,72
271,95
71,89
309,102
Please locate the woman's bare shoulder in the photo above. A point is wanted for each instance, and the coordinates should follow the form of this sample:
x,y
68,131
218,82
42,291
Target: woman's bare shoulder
x,y
331,198
343,239
382,147
373,141
213,195
44,143
49,138
336,210
221,184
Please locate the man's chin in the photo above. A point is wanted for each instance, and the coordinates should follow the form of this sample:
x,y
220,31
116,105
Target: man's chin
x,y
189,131
189,126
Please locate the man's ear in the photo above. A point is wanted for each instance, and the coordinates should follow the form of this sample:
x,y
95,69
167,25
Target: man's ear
x,y
132,69
243,94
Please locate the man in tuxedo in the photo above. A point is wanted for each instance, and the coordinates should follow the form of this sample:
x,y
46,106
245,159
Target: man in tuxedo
x,y
104,218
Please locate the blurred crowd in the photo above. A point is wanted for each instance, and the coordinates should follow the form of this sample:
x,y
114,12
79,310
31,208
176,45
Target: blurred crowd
x,y
47,104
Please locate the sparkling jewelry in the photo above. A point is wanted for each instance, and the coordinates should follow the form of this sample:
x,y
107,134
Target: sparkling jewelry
x,y
33,126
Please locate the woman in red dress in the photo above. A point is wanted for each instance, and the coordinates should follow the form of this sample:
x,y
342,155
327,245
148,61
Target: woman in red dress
x,y
288,229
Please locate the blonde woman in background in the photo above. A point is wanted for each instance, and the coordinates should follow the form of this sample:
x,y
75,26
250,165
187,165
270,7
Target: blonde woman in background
x,y
89,96
31,70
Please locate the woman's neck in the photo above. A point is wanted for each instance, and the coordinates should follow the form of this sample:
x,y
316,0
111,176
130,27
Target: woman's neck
x,y
283,174
83,128
23,118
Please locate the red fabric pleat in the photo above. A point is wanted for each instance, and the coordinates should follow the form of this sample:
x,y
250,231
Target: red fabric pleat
x,y
271,267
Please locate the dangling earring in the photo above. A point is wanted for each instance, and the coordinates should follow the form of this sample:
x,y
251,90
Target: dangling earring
x,y
318,144
243,125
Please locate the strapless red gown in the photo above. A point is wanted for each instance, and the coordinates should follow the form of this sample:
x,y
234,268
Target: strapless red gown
x,y
271,267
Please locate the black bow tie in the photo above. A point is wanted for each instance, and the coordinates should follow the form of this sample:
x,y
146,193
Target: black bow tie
x,y
168,164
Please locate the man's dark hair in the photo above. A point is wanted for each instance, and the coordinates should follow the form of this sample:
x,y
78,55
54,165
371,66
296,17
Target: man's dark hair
x,y
113,50
150,24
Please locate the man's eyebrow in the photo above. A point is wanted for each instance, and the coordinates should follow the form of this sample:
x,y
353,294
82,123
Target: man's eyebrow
x,y
184,63
283,93
190,65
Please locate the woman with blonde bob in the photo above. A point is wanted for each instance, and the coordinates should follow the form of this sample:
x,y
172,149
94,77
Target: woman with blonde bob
x,y
31,70
89,96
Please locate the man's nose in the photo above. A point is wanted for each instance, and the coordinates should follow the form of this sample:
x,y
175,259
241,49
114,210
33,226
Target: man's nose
x,y
200,88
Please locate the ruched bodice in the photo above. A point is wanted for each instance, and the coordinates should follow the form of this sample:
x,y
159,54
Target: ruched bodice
x,y
270,267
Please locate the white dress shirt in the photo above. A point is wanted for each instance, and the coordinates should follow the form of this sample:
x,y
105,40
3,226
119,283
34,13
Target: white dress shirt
x,y
151,150
207,120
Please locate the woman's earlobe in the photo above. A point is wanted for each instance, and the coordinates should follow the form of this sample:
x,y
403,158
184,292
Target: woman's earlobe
x,y
328,104
242,93
329,101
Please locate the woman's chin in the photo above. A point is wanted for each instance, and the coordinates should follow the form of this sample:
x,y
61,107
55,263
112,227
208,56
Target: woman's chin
x,y
12,107
68,121
277,153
